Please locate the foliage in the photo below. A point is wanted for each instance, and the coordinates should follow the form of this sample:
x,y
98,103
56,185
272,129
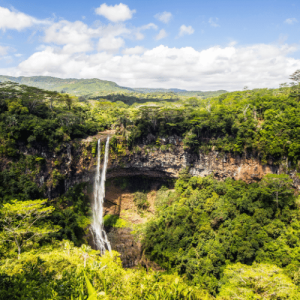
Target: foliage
x,y
59,274
260,281
114,221
32,117
72,214
205,225
140,200
22,222
17,179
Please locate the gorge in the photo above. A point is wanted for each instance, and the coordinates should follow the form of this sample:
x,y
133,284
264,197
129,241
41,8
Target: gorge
x,y
198,188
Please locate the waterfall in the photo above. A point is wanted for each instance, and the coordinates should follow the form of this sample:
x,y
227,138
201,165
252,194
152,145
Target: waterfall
x,y
99,233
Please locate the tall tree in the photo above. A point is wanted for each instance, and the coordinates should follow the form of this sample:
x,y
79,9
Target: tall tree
x,y
22,222
278,185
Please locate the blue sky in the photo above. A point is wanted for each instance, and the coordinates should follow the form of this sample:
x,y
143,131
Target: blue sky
x,y
195,45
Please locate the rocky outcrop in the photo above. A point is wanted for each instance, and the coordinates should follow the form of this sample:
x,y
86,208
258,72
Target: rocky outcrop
x,y
121,240
159,162
75,163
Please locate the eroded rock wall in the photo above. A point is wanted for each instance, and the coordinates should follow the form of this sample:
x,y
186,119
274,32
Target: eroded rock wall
x,y
75,163
155,162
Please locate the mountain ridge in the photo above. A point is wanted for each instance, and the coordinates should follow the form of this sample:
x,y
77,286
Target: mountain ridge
x,y
95,87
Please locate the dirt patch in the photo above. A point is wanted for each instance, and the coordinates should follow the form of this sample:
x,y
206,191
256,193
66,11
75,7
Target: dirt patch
x,y
119,200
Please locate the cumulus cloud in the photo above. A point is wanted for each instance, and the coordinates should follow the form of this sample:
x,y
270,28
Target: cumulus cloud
x,y
291,21
213,22
161,35
17,20
183,30
134,51
78,37
164,17
110,44
229,68
117,13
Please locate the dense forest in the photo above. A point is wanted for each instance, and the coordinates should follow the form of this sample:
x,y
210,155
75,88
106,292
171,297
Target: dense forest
x,y
207,239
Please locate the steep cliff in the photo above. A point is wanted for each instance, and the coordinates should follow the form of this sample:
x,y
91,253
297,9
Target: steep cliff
x,y
75,162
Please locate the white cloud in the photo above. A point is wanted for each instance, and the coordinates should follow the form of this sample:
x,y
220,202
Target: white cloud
x,y
213,22
138,34
17,20
149,26
118,13
76,36
291,21
110,44
164,17
3,50
229,68
134,51
161,35
183,30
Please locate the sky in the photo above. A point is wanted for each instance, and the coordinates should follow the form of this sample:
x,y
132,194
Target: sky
x,y
191,44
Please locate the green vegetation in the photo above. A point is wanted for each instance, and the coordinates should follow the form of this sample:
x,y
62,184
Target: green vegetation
x,y
204,226
62,271
88,88
260,122
212,240
114,221
22,223
77,87
140,200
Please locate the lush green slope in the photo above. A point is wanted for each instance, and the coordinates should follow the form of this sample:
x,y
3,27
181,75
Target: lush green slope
x,y
77,87
205,225
262,122
96,87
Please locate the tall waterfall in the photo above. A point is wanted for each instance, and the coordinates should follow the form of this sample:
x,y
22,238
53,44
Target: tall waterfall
x,y
100,236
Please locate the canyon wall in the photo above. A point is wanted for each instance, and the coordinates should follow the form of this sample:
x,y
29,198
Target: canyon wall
x,y
75,163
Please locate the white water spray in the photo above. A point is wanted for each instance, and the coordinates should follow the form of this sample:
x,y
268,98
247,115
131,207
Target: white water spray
x,y
100,237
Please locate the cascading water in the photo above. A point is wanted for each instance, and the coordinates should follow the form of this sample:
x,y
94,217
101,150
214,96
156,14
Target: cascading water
x,y
100,237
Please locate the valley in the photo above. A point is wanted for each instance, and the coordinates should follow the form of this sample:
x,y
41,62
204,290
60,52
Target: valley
x,y
199,193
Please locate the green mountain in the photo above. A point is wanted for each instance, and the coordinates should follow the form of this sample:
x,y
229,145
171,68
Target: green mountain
x,y
96,87
78,87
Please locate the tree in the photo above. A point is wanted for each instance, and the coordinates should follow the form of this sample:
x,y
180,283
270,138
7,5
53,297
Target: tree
x,y
295,76
278,185
295,86
259,281
22,222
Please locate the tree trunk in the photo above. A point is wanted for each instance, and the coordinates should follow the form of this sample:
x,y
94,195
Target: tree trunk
x,y
19,252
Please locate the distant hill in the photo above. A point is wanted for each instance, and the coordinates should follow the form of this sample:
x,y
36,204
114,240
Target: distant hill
x,y
78,87
96,87
181,92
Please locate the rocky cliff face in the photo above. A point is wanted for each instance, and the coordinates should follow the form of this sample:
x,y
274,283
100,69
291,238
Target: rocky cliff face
x,y
162,162
75,163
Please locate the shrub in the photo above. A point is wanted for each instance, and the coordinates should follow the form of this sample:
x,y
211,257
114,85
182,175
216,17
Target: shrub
x,y
140,200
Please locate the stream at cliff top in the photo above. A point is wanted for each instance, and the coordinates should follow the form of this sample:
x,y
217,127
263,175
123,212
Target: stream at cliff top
x,y
100,238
